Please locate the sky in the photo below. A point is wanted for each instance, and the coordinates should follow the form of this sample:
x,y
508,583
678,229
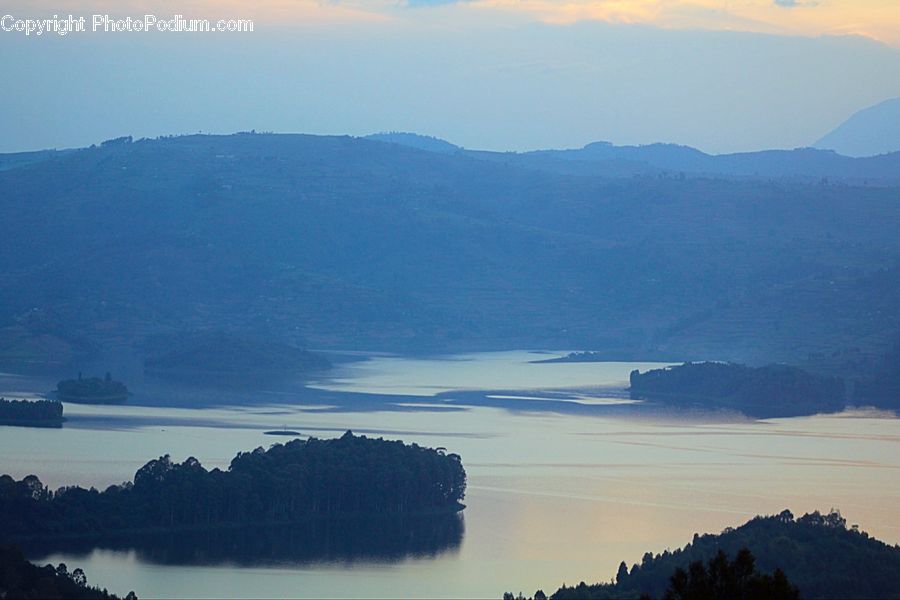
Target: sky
x,y
719,75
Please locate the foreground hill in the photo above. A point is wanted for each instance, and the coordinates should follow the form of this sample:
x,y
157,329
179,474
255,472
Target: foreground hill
x,y
818,553
336,242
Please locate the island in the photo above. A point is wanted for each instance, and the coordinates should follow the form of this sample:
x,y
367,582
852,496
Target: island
x,y
31,413
761,392
575,357
817,555
296,482
92,390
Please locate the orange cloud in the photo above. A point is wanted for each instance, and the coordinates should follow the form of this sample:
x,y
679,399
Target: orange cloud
x,y
877,19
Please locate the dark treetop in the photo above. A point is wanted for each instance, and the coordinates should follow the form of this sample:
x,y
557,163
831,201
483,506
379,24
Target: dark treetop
x,y
721,579
772,391
348,476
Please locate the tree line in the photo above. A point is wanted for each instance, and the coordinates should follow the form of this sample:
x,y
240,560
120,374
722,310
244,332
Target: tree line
x,y
31,412
348,476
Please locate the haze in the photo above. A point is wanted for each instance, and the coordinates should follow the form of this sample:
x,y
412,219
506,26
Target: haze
x,y
722,77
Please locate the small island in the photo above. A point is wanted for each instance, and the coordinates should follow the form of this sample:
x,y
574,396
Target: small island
x,y
31,413
297,482
574,357
761,392
92,390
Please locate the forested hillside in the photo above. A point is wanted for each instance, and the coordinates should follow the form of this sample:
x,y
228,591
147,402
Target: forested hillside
x,y
818,553
344,243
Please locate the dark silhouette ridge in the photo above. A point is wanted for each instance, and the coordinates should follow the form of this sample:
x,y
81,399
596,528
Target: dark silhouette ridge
x,y
817,553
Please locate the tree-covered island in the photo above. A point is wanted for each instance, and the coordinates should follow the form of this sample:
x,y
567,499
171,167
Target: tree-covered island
x,y
762,392
351,476
92,390
31,413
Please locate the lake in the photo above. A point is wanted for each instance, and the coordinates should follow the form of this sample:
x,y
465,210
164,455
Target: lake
x,y
566,476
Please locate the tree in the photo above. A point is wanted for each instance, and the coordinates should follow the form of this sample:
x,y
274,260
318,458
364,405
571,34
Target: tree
x,y
725,580
623,573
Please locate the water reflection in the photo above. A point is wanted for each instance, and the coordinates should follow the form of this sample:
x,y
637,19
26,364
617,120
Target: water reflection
x,y
342,541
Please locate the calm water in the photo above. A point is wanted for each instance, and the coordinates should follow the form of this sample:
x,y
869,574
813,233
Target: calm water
x,y
554,495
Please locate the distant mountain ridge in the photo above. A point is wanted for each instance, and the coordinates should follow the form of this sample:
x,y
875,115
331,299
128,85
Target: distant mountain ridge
x,y
415,140
868,132
800,164
605,159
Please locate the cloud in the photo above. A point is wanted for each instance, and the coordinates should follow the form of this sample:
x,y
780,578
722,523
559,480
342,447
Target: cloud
x,y
876,19
418,3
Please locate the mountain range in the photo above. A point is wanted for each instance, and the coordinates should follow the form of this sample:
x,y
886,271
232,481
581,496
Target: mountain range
x,y
351,243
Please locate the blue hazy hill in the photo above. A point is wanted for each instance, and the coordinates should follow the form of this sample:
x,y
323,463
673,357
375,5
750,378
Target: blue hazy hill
x,y
345,243
871,131
415,140
605,159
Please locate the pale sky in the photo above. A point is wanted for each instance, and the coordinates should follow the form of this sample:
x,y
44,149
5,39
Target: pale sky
x,y
496,74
